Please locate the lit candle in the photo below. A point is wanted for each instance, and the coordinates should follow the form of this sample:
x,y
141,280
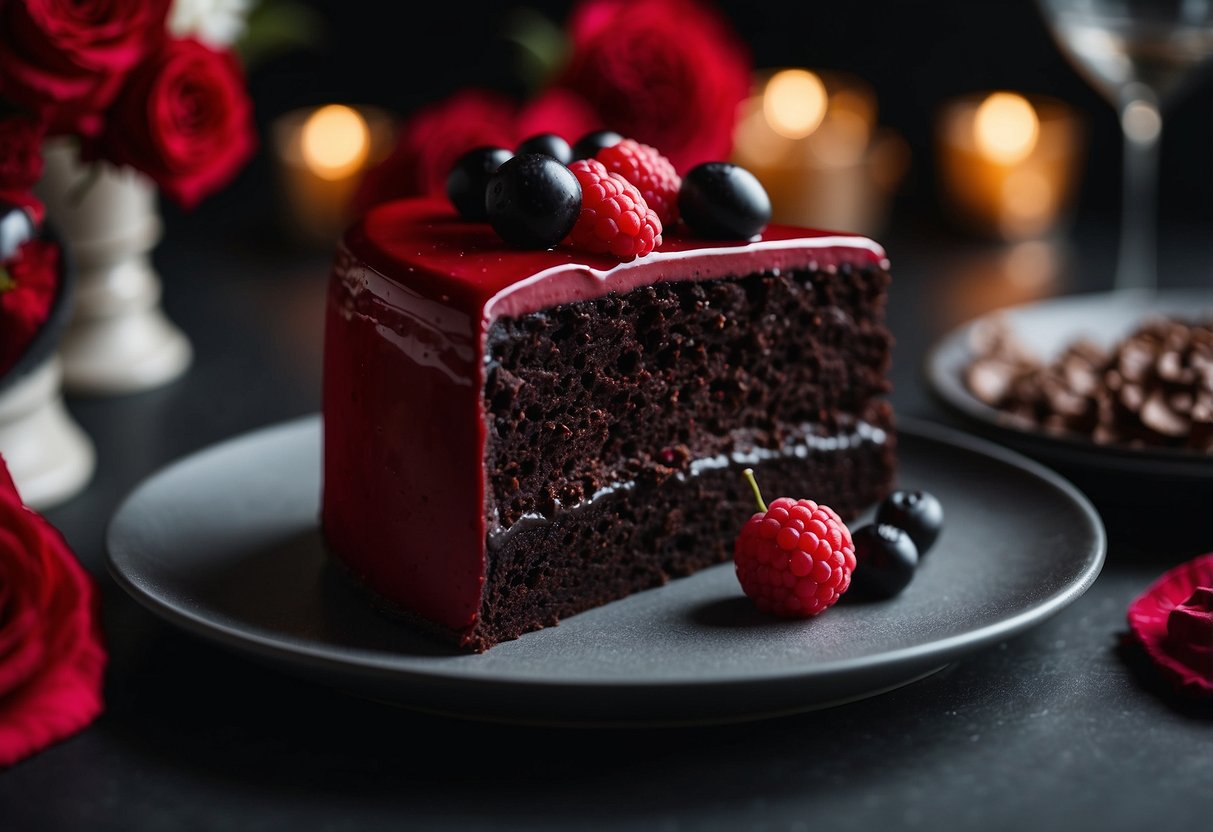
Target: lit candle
x,y
321,155
1008,164
811,138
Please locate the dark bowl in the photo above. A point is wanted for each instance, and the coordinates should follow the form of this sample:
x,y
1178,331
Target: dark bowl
x,y
46,339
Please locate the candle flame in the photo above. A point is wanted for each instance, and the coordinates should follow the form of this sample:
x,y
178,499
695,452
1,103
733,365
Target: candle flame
x,y
1006,127
794,103
335,141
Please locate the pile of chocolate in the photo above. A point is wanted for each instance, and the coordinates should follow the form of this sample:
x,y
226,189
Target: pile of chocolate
x,y
1152,388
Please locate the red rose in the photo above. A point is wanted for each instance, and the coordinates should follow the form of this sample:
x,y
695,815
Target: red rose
x,y
183,118
21,161
20,153
52,660
429,142
66,61
28,282
669,73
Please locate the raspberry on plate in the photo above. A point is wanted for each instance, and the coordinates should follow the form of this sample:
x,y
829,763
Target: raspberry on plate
x,y
794,559
652,174
614,217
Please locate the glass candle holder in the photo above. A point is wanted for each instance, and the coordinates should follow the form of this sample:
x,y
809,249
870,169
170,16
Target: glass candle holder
x,y
1008,163
812,139
320,155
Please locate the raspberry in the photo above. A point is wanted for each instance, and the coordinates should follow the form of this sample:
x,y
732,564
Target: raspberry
x,y
793,558
614,216
652,174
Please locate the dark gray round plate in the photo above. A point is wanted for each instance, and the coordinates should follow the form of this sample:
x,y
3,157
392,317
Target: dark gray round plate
x,y
1047,327
225,543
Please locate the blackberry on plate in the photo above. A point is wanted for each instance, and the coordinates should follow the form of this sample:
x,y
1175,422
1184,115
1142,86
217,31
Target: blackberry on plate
x,y
885,561
918,512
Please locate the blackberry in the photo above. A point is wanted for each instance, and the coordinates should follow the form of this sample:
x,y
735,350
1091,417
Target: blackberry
x,y
533,201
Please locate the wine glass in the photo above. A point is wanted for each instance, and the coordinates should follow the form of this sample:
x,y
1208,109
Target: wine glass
x,y
1141,55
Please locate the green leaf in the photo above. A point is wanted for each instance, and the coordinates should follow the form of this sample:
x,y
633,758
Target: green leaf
x,y
543,46
277,26
6,280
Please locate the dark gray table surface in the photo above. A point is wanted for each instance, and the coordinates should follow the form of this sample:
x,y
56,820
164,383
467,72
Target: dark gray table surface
x,y
1060,727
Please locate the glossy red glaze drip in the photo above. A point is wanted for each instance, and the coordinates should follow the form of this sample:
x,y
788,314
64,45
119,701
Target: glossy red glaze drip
x,y
412,293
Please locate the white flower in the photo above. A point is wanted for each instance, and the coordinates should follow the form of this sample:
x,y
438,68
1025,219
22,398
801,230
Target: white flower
x,y
217,23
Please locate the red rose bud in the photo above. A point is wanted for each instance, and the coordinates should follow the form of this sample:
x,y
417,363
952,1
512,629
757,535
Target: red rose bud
x,y
668,73
52,659
67,66
184,119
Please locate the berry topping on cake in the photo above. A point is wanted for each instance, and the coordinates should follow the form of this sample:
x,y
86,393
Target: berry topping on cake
x,y
468,179
587,146
548,144
794,558
652,174
919,513
723,201
614,217
885,561
533,201
628,193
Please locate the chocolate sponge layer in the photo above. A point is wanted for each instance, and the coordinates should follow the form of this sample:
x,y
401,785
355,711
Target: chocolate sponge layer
x,y
640,385
631,539
617,429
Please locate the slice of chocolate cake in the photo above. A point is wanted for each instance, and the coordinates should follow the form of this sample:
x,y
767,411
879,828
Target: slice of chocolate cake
x,y
513,436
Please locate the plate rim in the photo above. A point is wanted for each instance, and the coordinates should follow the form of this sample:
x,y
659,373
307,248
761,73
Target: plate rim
x,y
353,662
946,387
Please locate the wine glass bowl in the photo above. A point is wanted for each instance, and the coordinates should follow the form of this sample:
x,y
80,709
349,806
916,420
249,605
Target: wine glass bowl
x,y
1141,56
1160,45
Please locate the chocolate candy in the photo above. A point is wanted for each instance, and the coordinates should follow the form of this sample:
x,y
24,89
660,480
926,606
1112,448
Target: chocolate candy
x,y
1152,388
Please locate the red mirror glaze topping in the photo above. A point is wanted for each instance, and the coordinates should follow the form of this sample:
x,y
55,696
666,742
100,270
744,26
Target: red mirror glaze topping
x,y
466,264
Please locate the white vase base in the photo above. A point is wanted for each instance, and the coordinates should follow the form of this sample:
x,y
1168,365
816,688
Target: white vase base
x,y
123,354
49,457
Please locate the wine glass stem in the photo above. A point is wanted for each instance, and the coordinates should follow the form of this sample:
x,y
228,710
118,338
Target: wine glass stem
x,y
1141,123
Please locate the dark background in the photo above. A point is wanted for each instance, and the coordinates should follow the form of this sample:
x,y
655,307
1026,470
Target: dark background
x,y
916,54
1061,728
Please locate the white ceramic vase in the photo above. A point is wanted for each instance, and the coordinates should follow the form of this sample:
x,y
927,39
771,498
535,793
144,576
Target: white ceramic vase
x,y
118,339
49,456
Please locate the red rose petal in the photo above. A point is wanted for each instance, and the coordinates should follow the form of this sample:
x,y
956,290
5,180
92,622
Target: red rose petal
x,y
52,658
183,117
66,65
1173,622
